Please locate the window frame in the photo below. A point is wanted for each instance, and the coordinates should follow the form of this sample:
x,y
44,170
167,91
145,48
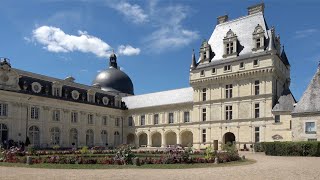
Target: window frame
x,y
143,120
257,87
228,112
204,135
4,110
228,91
35,113
204,94
170,118
156,119
256,110
186,119
204,114
306,128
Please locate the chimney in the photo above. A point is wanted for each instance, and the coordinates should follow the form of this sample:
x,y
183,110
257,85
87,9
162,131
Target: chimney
x,y
256,8
222,19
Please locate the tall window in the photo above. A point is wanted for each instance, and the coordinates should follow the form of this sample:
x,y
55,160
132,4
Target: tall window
x,y
256,110
130,121
186,116
116,138
104,120
142,120
156,119
90,118
256,134
57,91
256,87
204,94
73,137
204,135
171,118
117,122
229,91
311,128
74,117
204,114
228,112
55,136
3,109
34,135
277,118
104,137
89,137
56,115
229,48
35,113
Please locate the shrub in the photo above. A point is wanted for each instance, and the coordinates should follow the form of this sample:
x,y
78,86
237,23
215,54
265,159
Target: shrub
x,y
124,154
258,147
84,150
292,148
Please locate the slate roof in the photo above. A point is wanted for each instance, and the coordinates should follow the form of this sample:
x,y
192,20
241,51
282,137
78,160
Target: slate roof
x,y
310,100
285,102
243,27
176,96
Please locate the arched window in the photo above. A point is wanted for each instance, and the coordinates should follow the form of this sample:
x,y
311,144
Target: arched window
x,y
116,138
104,137
73,137
34,136
89,137
3,133
55,136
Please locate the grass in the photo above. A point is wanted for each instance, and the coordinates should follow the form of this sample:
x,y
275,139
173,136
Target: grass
x,y
146,166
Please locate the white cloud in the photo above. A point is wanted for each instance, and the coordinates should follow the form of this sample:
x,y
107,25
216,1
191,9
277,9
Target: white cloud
x,y
55,40
170,32
305,33
131,11
128,50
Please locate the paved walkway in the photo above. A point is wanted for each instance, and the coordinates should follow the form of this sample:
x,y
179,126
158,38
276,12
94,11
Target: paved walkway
x,y
267,167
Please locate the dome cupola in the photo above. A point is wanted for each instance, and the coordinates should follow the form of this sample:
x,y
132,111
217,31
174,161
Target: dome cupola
x,y
113,79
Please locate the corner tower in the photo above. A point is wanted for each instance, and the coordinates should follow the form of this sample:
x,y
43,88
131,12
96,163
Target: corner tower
x,y
238,79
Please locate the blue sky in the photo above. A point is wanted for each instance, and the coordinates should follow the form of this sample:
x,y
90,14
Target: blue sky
x,y
154,39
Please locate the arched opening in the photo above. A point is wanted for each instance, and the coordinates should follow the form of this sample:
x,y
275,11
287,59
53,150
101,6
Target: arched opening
x,y
171,138
229,138
116,139
89,137
156,139
55,136
34,136
73,137
143,140
186,139
104,138
130,139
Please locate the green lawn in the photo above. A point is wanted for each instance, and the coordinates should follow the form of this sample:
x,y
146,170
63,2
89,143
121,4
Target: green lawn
x,y
146,166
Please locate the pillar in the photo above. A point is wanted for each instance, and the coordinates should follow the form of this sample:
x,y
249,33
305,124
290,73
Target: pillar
x,y
149,139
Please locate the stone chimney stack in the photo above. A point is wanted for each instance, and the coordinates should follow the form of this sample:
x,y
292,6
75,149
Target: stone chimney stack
x,y
222,19
256,8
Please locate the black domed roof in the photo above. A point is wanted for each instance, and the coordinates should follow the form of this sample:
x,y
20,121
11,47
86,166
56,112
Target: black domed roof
x,y
113,79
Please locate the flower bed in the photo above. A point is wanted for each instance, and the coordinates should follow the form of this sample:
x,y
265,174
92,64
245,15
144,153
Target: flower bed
x,y
123,155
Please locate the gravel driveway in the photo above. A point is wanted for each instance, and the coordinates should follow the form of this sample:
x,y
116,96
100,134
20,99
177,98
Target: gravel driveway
x,y
267,167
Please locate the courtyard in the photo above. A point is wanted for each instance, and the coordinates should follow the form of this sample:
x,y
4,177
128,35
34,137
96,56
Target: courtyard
x,y
266,167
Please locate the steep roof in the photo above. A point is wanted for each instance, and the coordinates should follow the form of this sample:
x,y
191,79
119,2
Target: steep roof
x,y
285,102
176,96
310,100
284,58
243,27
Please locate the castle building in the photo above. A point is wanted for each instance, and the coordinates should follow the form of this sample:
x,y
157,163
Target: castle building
x,y
239,93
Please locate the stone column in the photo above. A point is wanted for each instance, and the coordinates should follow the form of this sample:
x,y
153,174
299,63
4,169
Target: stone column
x,y
149,139
178,137
163,139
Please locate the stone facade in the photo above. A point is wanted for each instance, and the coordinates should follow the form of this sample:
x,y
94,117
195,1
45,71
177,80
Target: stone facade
x,y
239,94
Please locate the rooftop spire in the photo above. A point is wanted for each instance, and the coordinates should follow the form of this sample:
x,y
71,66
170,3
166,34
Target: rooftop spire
x,y
271,46
193,63
284,58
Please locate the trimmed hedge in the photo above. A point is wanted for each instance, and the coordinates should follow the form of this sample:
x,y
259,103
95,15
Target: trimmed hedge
x,y
289,148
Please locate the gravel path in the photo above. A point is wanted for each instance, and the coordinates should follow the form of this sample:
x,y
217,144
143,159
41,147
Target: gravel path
x,y
267,167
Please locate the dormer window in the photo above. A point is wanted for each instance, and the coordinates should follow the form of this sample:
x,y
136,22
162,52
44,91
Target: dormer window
x,y
56,89
230,44
258,38
91,96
